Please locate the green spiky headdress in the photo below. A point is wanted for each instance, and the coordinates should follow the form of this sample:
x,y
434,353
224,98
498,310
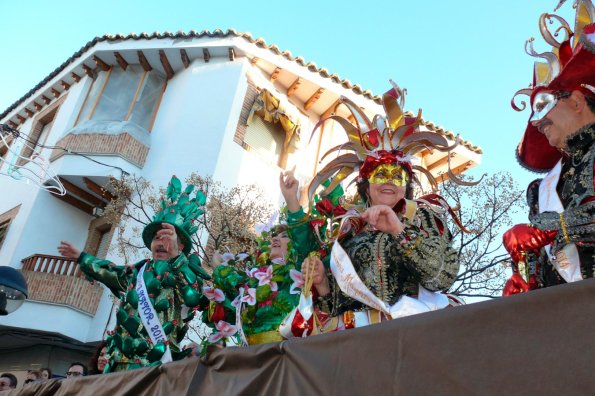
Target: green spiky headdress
x,y
178,210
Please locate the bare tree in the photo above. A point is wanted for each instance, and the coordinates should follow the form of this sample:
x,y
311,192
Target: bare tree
x,y
227,223
229,219
486,210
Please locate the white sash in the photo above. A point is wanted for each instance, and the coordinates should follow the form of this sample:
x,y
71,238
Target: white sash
x,y
566,261
352,285
148,316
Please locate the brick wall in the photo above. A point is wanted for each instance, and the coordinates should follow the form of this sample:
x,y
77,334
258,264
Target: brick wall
x,y
123,145
251,94
62,289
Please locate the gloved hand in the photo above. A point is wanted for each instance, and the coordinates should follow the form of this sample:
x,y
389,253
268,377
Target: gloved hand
x,y
522,238
515,285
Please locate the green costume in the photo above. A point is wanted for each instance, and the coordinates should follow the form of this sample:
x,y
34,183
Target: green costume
x,y
265,291
172,288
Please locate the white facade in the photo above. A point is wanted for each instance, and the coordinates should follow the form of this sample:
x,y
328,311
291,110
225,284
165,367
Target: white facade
x,y
193,131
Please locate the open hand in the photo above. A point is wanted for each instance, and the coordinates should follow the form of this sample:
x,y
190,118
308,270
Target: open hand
x,y
67,249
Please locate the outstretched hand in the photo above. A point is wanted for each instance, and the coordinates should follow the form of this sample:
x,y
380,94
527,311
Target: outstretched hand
x,y
289,186
384,219
67,249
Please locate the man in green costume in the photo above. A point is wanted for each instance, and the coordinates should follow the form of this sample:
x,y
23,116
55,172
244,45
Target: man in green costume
x,y
158,296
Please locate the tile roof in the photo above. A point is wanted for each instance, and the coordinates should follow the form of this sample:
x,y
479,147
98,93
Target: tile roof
x,y
259,42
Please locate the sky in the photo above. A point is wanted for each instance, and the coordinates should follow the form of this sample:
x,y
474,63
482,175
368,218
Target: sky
x,y
460,60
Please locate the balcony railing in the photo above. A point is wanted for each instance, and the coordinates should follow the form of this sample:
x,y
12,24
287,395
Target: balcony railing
x,y
52,265
59,280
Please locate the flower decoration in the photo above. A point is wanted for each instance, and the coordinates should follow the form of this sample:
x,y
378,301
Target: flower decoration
x,y
224,330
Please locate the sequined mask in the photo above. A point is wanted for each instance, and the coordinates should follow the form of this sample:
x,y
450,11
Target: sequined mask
x,y
388,173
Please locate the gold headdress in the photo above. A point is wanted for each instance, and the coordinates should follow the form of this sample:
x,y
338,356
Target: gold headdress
x,y
383,140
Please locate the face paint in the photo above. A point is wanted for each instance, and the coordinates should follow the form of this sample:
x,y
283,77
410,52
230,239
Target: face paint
x,y
388,173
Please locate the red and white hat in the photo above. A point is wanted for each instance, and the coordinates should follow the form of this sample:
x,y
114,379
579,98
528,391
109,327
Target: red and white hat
x,y
569,66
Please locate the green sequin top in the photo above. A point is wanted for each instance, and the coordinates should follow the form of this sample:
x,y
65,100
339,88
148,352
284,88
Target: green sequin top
x,y
172,286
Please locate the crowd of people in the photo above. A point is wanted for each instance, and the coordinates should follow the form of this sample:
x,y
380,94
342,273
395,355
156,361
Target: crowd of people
x,y
340,265
9,381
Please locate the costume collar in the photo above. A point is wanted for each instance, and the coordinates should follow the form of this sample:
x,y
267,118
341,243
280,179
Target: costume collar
x,y
584,136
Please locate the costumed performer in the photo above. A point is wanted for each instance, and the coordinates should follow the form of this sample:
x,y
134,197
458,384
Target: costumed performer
x,y
251,295
158,296
559,139
392,257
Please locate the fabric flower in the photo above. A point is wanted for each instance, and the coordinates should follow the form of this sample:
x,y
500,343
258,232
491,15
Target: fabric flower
x,y
224,330
324,207
237,302
278,261
268,226
250,296
298,281
213,294
264,275
225,257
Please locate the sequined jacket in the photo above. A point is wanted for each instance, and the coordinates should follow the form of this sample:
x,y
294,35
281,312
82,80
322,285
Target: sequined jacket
x,y
392,266
170,285
577,194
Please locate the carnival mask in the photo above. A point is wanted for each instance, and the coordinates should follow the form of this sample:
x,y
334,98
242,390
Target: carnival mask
x,y
388,173
544,102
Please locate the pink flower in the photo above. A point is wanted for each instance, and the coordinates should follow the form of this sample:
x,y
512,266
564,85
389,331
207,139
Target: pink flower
x,y
227,256
250,296
268,226
224,330
274,286
278,261
298,281
264,275
237,301
213,294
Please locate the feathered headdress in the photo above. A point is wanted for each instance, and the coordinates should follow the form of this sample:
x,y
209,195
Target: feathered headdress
x,y
570,65
393,139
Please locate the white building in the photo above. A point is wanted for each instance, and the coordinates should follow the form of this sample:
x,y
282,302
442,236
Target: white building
x,y
152,105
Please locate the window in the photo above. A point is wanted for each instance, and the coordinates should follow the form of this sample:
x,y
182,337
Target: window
x,y
99,238
266,139
5,220
124,95
271,132
5,144
39,134
3,230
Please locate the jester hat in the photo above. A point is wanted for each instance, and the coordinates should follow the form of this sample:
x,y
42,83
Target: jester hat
x,y
568,67
179,210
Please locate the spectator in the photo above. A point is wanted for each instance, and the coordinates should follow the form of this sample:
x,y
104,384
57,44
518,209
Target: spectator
x,y
33,375
8,381
99,359
46,373
76,369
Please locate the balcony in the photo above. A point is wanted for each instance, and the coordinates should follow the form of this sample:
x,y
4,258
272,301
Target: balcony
x,y
59,280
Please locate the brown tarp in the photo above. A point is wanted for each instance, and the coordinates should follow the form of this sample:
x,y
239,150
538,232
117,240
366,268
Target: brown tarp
x,y
540,343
